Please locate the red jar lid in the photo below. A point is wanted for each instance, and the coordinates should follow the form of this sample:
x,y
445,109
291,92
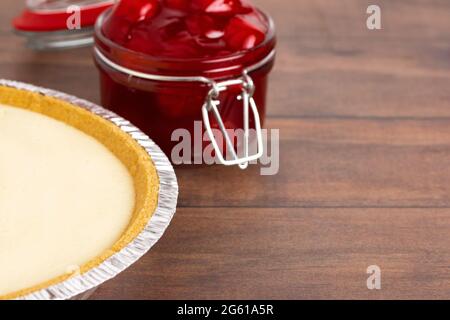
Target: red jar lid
x,y
47,16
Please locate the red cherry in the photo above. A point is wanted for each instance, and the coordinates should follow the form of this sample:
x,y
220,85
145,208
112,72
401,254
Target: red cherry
x,y
182,5
173,28
199,24
221,7
142,39
136,10
117,29
185,28
245,31
205,26
180,46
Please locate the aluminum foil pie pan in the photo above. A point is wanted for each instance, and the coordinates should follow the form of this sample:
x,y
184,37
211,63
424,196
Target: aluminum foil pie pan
x,y
81,286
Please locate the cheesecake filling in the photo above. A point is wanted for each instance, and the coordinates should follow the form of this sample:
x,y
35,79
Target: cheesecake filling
x,y
65,199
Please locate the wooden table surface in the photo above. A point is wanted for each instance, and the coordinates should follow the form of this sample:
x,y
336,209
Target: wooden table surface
x,y
364,177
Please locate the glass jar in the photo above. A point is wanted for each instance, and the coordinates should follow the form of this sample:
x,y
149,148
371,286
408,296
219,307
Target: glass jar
x,y
161,95
48,24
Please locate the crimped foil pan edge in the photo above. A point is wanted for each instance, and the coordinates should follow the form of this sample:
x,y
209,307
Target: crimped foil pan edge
x,y
81,285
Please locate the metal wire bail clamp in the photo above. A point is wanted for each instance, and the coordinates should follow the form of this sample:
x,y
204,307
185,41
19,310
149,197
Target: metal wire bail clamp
x,y
212,104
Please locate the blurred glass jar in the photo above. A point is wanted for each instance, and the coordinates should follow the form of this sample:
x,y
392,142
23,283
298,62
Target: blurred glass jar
x,y
59,24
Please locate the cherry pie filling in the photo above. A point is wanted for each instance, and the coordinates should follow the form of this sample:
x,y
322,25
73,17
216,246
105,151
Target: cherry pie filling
x,y
216,39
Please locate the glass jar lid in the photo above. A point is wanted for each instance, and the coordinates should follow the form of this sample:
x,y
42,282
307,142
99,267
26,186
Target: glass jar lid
x,y
56,24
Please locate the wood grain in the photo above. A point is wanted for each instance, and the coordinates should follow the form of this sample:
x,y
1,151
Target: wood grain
x,y
329,163
364,119
285,253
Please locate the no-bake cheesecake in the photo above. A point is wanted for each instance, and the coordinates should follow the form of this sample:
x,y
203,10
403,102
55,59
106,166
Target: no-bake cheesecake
x,y
74,190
